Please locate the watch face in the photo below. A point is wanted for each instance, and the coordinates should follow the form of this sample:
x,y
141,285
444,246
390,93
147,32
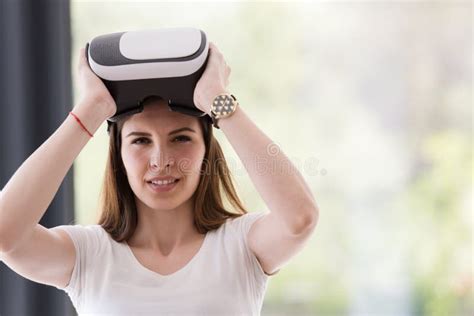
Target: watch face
x,y
223,105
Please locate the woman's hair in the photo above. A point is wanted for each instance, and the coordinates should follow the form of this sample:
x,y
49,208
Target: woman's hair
x,y
118,212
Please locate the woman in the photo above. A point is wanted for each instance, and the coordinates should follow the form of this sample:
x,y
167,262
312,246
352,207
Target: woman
x,y
165,243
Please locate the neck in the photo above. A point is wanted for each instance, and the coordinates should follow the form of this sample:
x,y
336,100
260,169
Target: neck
x,y
163,230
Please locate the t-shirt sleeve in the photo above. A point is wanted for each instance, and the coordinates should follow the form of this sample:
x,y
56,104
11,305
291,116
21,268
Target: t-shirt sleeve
x,y
86,241
243,225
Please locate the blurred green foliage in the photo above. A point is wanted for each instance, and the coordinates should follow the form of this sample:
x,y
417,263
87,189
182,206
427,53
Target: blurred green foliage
x,y
441,194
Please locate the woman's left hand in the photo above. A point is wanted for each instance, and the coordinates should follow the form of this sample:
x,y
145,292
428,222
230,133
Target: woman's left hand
x,y
213,81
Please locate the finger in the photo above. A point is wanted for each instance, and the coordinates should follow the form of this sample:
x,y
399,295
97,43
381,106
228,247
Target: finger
x,y
82,57
83,63
214,48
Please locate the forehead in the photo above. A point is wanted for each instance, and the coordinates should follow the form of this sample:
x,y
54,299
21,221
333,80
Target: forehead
x,y
156,117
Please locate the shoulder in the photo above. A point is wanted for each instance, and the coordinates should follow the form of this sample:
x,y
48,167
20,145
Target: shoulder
x,y
88,238
83,230
240,226
245,221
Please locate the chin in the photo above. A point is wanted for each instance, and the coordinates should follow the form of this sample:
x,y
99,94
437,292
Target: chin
x,y
161,205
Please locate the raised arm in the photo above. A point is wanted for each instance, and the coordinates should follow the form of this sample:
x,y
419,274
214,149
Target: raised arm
x,y
33,186
280,234
37,253
277,180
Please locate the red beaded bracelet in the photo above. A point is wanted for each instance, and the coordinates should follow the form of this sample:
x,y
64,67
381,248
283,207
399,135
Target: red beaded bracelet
x,y
80,123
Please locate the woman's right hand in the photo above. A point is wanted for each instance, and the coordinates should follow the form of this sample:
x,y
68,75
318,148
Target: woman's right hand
x,y
93,91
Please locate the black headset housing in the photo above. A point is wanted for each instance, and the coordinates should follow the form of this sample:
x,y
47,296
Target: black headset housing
x,y
134,65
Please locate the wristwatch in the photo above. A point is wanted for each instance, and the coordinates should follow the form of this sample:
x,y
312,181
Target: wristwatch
x,y
223,105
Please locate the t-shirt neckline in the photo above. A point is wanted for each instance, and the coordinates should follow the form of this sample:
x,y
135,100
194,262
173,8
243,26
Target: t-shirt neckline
x,y
167,276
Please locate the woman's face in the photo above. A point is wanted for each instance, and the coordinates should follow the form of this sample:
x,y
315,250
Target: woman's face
x,y
146,155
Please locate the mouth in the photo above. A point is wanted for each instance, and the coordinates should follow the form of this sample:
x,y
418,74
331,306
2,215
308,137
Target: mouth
x,y
162,186
163,182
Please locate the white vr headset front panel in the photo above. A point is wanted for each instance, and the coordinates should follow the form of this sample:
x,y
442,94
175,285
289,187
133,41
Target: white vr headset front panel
x,y
137,45
132,46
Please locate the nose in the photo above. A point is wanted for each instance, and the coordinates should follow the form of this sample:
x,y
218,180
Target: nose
x,y
160,160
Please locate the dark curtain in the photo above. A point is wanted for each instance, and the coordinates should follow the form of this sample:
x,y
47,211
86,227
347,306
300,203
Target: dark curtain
x,y
35,98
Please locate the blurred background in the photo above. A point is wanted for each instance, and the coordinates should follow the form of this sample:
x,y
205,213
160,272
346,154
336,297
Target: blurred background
x,y
372,101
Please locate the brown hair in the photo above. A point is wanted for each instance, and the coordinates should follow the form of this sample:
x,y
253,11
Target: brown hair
x,y
118,212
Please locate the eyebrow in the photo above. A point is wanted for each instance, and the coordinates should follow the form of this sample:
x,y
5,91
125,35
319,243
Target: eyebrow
x,y
170,133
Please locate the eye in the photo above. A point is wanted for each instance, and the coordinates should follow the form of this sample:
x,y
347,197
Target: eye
x,y
183,138
138,140
143,140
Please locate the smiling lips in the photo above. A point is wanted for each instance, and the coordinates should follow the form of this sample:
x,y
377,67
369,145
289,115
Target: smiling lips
x,y
163,184
162,180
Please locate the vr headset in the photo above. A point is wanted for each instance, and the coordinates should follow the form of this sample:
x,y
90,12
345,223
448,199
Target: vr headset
x,y
164,62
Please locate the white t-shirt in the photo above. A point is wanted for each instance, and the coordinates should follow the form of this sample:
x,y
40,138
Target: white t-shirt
x,y
223,278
